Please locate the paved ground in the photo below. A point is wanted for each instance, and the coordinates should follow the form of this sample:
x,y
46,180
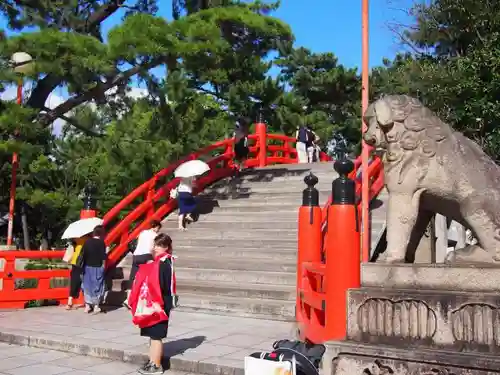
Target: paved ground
x,y
198,343
22,360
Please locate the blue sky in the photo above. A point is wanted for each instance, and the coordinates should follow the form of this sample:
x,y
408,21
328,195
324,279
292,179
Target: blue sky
x,y
331,26
334,26
328,26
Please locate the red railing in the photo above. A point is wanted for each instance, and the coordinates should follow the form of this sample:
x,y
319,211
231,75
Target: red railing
x,y
320,302
149,201
20,286
376,178
265,149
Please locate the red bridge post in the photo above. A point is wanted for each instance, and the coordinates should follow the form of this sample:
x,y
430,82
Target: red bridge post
x,y
343,255
309,247
260,131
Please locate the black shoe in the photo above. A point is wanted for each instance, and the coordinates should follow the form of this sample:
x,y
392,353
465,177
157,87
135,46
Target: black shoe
x,y
151,369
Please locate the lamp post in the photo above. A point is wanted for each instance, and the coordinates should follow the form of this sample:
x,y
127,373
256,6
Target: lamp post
x,y
365,150
22,63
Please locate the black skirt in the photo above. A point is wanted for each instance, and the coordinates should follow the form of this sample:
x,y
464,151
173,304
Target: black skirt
x,y
241,149
156,332
75,281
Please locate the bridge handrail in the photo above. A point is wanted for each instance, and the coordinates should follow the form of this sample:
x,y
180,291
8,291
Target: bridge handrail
x,y
151,200
280,151
14,296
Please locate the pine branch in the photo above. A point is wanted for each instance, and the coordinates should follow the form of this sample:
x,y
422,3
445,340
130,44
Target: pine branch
x,y
68,105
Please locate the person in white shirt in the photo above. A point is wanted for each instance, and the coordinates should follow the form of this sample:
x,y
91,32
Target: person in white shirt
x,y
186,201
143,252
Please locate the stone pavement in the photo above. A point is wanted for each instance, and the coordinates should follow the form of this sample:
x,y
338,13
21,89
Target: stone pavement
x,y
23,360
197,343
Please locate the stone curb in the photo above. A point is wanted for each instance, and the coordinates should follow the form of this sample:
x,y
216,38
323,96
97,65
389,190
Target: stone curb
x,y
178,364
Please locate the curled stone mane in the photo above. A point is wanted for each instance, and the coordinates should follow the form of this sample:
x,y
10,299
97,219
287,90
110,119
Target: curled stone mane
x,y
420,132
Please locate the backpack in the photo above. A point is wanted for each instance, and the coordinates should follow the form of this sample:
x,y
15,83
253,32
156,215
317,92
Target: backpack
x,y
146,298
307,357
305,135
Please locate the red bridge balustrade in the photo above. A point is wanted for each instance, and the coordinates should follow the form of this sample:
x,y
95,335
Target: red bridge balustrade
x,y
20,286
131,215
329,252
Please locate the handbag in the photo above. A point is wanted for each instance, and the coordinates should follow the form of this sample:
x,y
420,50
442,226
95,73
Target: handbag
x,y
79,259
261,366
68,254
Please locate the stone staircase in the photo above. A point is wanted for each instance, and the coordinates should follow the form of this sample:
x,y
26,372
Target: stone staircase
x,y
239,258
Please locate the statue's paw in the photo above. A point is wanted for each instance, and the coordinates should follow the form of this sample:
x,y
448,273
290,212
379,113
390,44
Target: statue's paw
x,y
472,254
390,259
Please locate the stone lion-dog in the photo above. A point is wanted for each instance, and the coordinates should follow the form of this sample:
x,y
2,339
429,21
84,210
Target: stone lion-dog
x,y
429,168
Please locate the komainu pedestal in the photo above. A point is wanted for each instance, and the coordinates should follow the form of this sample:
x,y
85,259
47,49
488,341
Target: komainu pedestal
x,y
413,319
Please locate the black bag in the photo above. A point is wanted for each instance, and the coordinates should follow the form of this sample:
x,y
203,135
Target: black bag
x,y
305,136
79,259
307,356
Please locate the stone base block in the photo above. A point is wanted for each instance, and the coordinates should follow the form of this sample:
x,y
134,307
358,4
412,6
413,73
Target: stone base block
x,y
458,321
420,320
438,307
349,358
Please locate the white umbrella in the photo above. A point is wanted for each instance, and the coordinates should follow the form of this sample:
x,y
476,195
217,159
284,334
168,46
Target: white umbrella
x,y
81,227
191,168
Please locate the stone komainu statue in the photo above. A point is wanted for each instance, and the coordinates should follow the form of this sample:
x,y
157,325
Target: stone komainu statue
x,y
429,168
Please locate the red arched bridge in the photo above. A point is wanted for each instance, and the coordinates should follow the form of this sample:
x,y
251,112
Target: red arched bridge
x,y
151,200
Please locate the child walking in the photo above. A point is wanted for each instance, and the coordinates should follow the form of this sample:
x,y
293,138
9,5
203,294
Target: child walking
x,y
151,300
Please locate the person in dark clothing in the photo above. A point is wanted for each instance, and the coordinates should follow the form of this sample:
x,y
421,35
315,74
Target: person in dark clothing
x,y
158,332
304,141
94,256
75,279
241,149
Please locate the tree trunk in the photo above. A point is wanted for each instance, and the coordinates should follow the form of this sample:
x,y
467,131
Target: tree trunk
x,y
24,220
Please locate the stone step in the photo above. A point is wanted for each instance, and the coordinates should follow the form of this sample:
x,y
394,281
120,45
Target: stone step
x,y
295,168
292,199
224,289
260,181
250,216
236,276
233,233
246,206
241,264
268,188
290,171
235,224
283,254
255,291
288,243
242,307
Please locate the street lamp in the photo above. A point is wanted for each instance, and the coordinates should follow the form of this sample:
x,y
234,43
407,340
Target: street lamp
x,y
22,64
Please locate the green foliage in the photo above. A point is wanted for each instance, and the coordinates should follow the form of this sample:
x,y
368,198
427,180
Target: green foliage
x,y
325,94
456,69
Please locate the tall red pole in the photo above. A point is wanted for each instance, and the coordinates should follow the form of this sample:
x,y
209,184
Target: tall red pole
x,y
13,182
365,214
260,130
